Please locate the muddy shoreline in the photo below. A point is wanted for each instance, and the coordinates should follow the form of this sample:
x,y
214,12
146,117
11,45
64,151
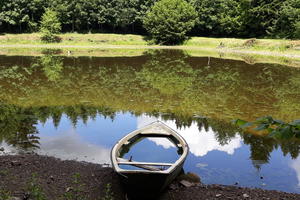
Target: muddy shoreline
x,y
32,176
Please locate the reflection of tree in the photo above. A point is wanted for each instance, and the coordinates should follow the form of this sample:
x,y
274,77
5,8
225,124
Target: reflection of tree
x,y
17,127
163,81
291,147
168,71
52,66
262,147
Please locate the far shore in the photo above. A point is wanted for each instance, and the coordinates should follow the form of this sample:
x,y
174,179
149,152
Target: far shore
x,y
267,47
277,51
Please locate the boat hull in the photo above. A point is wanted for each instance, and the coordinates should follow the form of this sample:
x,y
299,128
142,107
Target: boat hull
x,y
147,186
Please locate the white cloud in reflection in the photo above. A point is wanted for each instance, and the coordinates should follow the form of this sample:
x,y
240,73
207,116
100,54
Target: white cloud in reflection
x,y
70,146
7,149
200,142
295,164
165,143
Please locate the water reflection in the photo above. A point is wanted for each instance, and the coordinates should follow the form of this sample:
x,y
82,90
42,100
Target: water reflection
x,y
295,164
77,108
200,141
8,149
161,81
70,145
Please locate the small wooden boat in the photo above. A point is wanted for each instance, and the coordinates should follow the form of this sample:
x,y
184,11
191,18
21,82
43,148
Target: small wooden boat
x,y
148,179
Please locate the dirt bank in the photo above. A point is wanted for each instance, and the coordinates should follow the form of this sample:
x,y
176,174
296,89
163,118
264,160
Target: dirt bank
x,y
40,177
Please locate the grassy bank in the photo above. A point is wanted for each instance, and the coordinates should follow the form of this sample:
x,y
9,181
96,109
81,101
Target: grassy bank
x,y
277,45
263,50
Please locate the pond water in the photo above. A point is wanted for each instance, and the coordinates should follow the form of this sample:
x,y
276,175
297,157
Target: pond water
x,y
79,107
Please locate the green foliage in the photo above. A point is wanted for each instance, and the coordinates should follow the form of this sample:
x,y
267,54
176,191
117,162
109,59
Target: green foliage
x,y
50,26
109,195
275,128
259,17
76,192
169,21
297,30
226,18
218,17
5,194
34,189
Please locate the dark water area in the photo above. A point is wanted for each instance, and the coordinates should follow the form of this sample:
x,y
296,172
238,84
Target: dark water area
x,y
79,107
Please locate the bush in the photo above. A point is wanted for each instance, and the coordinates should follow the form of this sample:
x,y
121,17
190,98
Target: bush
x,y
50,26
297,30
168,21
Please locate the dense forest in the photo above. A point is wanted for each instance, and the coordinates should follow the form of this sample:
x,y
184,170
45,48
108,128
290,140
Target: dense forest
x,y
218,18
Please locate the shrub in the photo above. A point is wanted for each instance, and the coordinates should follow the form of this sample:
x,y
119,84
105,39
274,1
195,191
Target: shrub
x,y
168,21
50,26
297,30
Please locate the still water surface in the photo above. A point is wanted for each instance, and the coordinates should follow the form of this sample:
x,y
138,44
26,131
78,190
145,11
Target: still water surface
x,y
78,108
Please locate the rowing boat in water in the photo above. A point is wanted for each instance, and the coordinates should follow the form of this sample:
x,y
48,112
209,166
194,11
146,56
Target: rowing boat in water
x,y
148,179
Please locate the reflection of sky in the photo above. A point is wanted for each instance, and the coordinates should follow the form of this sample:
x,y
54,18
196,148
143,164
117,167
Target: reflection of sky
x,y
146,151
295,164
87,142
200,142
70,145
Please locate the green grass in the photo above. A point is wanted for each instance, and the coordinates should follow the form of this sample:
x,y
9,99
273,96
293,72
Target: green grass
x,y
247,57
278,45
138,40
135,45
75,39
73,51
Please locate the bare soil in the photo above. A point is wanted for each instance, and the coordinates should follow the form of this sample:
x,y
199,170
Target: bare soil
x,y
27,176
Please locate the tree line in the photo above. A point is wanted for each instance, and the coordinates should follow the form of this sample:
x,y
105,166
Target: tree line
x,y
219,18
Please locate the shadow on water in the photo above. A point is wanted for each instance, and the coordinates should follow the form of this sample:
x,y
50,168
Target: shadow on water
x,y
169,85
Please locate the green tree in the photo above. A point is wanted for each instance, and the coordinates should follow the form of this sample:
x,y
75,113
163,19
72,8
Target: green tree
x,y
50,26
14,13
217,17
259,17
288,23
297,30
168,21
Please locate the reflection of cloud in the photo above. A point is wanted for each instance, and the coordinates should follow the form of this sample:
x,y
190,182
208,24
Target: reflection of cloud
x,y
69,146
163,142
200,142
295,164
8,149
